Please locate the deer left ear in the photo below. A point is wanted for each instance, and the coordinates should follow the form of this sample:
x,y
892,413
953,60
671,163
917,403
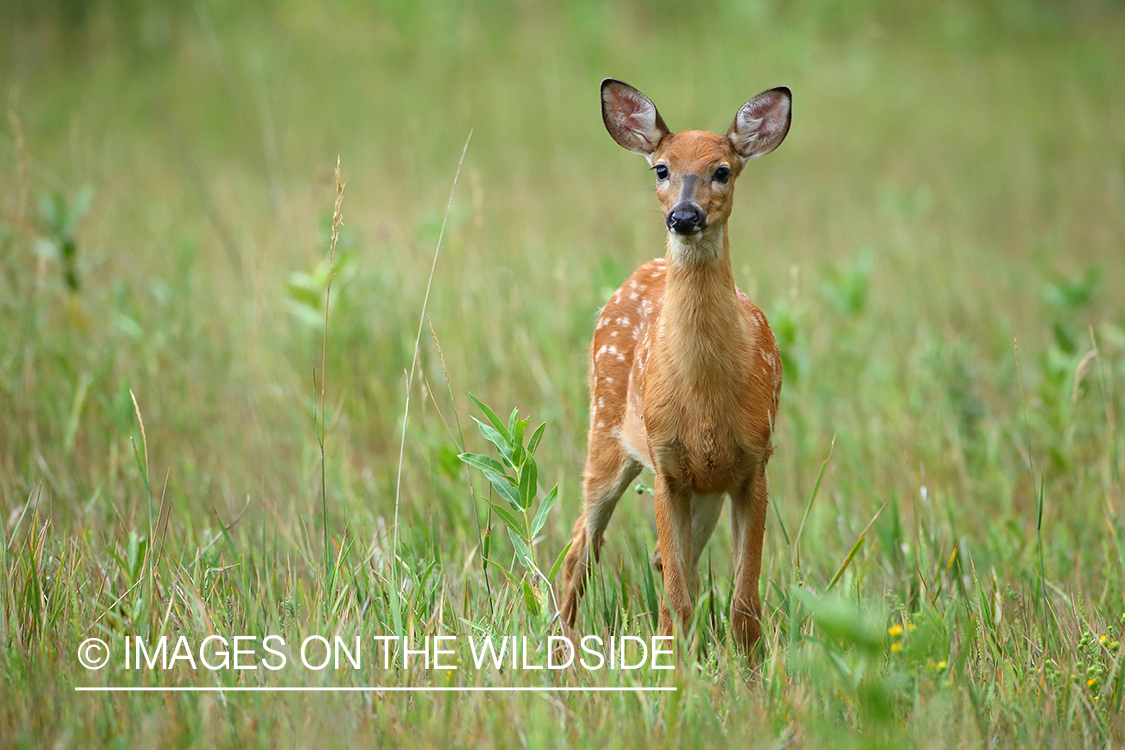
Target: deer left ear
x,y
762,123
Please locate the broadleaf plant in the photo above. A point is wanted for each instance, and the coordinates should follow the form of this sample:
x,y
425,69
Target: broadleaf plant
x,y
514,478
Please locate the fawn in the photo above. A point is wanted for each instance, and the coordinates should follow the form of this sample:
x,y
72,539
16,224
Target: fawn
x,y
685,372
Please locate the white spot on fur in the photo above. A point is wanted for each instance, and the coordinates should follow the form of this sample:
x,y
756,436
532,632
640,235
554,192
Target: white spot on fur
x,y
600,425
634,296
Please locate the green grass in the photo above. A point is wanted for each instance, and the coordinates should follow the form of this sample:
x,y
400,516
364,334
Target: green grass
x,y
938,246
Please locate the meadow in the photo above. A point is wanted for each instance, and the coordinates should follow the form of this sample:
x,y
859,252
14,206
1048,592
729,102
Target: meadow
x,y
234,394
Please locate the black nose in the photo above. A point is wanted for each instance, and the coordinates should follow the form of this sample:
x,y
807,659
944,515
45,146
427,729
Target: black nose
x,y
685,219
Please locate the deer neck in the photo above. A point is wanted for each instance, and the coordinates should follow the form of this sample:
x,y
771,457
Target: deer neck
x,y
703,325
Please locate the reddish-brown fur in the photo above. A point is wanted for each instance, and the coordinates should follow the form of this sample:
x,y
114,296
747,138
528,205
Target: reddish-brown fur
x,y
685,373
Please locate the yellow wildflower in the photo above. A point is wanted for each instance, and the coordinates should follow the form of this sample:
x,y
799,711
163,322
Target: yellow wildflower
x,y
895,630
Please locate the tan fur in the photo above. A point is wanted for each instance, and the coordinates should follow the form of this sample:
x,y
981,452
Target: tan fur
x,y
685,376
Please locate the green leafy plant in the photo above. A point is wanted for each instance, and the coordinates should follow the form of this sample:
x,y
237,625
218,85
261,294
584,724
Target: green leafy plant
x,y
847,287
845,654
308,291
515,478
59,218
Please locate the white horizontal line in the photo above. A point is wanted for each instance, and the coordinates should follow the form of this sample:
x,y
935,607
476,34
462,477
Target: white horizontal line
x,y
372,689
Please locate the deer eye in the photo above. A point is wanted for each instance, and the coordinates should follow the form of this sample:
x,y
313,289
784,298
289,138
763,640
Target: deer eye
x,y
661,172
722,174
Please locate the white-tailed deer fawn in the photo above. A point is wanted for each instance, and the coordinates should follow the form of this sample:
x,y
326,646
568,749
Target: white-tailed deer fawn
x,y
685,372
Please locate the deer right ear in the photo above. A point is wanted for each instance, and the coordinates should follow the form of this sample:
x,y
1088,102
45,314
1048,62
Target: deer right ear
x,y
630,118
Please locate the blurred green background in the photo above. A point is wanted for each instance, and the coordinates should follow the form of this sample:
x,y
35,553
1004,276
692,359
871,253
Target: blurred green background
x,y
948,166
954,181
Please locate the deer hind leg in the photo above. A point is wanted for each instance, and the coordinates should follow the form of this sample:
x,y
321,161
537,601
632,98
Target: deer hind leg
x,y
705,512
748,522
609,471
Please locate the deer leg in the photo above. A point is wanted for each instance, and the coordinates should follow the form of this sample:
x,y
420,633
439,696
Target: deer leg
x,y
609,471
748,522
674,531
705,512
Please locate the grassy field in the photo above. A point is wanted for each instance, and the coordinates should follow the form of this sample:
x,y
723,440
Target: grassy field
x,y
939,245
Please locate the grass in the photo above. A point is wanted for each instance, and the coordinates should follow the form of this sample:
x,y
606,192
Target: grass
x,y
944,563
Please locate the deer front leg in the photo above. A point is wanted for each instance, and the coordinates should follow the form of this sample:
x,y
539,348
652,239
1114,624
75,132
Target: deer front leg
x,y
748,523
673,530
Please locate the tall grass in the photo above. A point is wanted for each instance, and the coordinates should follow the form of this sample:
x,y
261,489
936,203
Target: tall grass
x,y
171,247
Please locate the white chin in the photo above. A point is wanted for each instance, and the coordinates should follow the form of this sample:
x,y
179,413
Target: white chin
x,y
695,247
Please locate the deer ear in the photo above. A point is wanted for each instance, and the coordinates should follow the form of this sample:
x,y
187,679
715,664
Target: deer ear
x,y
762,123
630,118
